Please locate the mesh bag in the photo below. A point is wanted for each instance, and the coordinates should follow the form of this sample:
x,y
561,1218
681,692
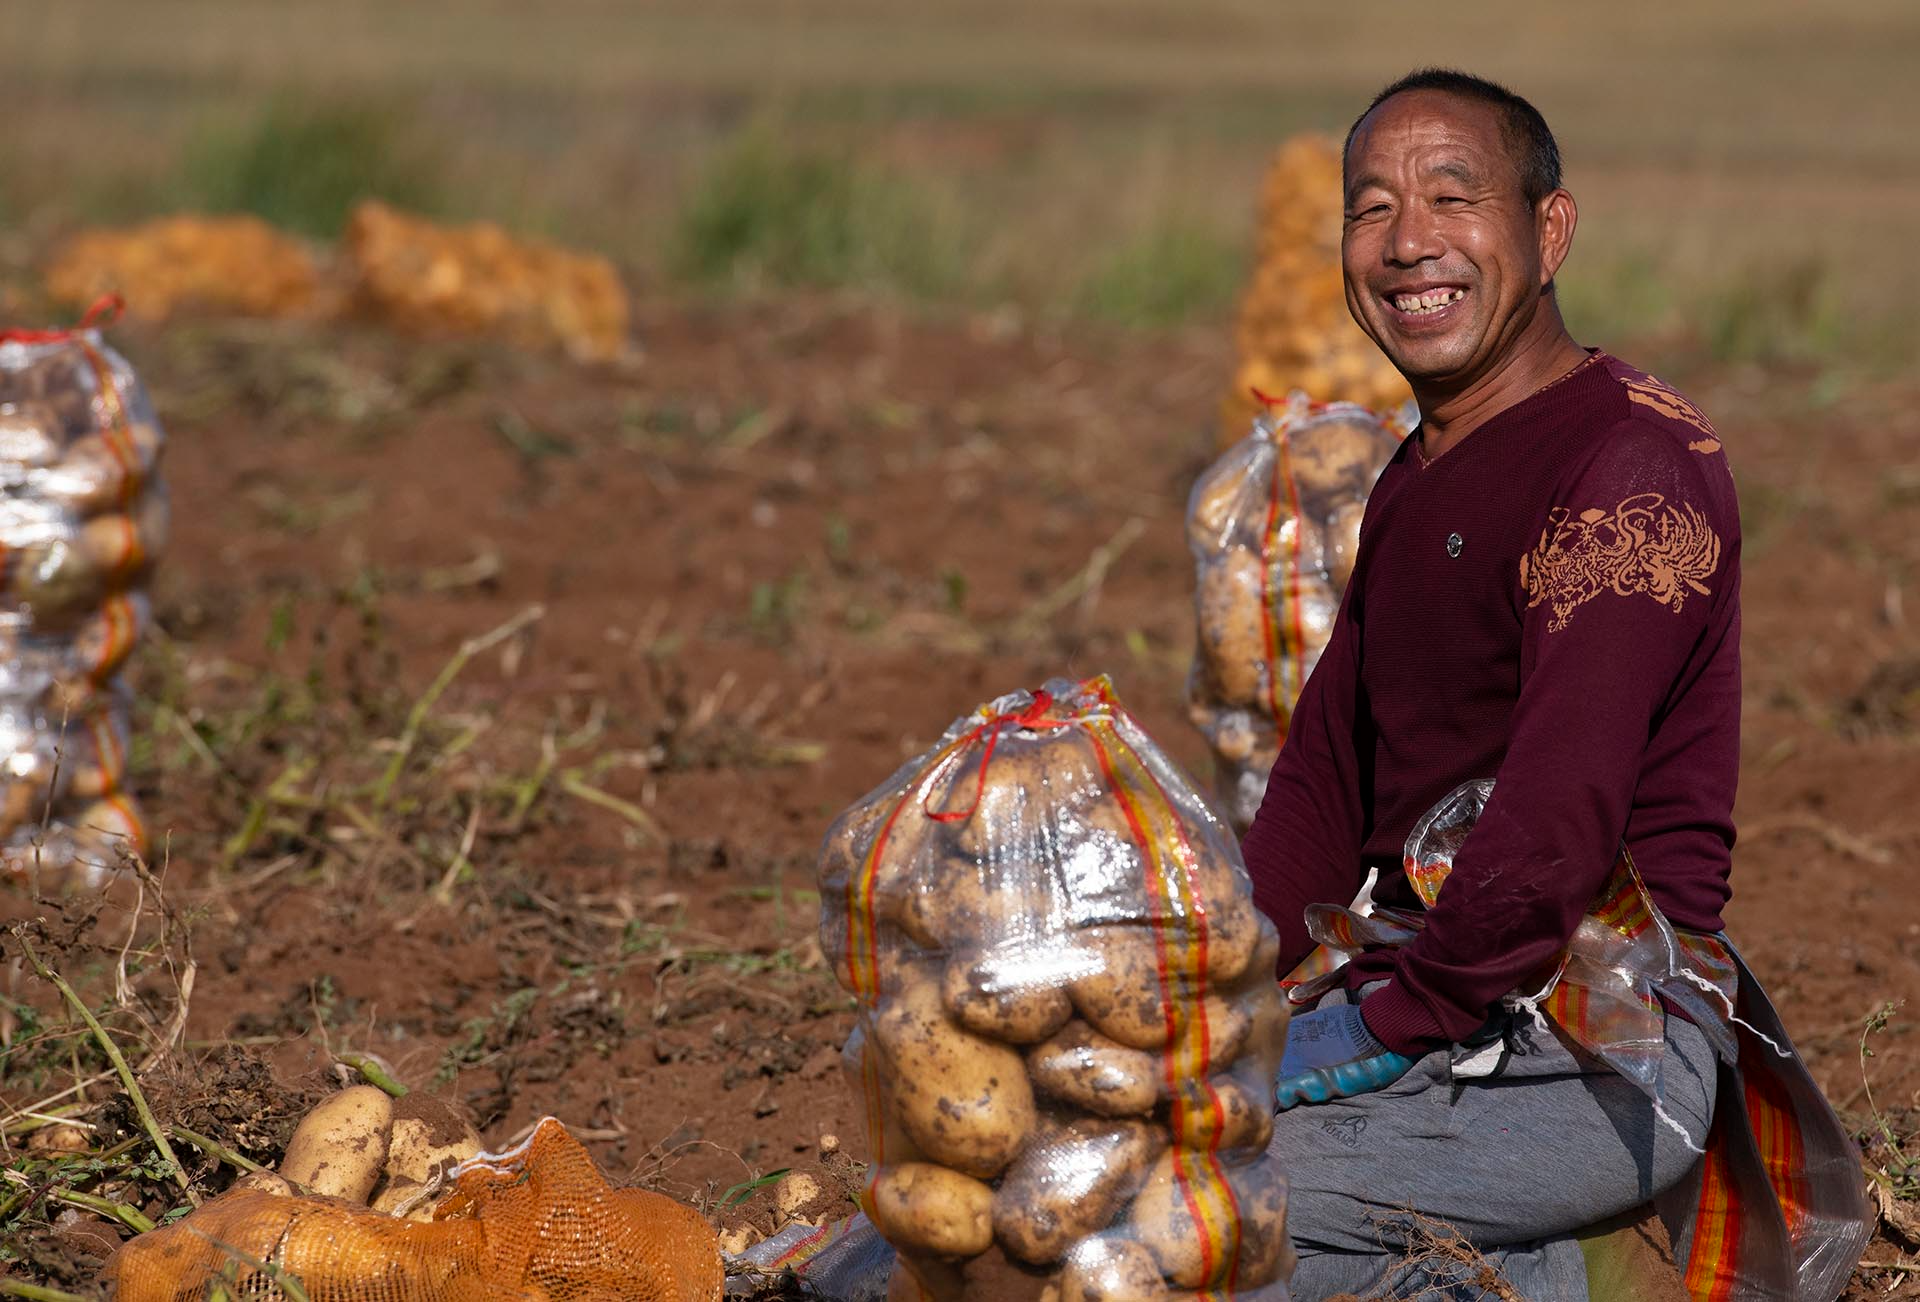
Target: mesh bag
x,y
1068,1022
1295,331
537,1223
82,518
419,275
232,263
1274,527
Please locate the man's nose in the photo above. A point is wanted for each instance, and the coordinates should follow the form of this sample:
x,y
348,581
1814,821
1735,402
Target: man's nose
x,y
1415,236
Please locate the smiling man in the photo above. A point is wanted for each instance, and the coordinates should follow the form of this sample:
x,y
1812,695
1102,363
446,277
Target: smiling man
x,y
1547,594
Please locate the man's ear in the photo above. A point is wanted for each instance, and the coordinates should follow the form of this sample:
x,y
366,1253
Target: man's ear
x,y
1554,217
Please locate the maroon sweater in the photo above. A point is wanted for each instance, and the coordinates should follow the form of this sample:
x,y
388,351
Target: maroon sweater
x,y
1555,602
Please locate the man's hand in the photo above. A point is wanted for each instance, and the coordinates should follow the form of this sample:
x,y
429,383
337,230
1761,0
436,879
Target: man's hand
x,y
1332,1055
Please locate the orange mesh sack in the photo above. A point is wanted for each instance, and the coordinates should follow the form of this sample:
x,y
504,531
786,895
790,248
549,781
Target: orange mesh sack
x,y
1274,527
1295,331
233,263
83,517
1068,1022
538,1223
479,280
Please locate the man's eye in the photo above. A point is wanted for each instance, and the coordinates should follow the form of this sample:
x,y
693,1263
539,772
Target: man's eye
x,y
1450,198
1371,210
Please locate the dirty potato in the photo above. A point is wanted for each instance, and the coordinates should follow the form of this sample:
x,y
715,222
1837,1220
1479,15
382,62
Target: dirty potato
x,y
1083,1067
1224,1112
1071,1181
427,1140
1228,604
985,997
1163,1219
925,1207
962,1098
1112,1270
340,1148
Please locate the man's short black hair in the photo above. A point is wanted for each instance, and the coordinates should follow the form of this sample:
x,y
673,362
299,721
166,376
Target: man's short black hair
x,y
1533,145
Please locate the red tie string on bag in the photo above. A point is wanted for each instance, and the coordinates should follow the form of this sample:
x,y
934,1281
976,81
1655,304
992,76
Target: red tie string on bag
x,y
104,311
1034,716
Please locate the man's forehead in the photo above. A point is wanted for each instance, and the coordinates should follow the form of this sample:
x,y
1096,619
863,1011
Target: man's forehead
x,y
1436,132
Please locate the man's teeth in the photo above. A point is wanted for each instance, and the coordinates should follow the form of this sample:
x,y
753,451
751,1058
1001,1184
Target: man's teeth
x,y
1431,301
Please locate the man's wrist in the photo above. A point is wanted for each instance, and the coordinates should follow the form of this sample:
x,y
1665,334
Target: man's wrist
x,y
1400,1022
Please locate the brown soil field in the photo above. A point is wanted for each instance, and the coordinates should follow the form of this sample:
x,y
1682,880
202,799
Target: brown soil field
x,y
772,558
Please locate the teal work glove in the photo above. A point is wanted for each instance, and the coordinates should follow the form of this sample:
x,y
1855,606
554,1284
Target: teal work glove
x,y
1332,1055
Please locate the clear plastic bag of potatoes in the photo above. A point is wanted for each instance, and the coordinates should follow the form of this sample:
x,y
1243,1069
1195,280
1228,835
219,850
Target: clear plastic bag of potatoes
x,y
1069,1026
82,518
1274,528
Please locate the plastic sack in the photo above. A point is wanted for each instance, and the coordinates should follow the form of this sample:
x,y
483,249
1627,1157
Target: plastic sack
x,y
83,517
1068,1024
1274,528
538,1222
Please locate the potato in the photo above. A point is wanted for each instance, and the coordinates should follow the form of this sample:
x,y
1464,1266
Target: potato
x,y
925,1207
1338,455
104,639
340,1148
108,825
31,435
1228,607
984,994
1083,1067
1225,1112
1224,505
1111,1270
1209,1037
408,1199
1342,545
93,754
1123,996
960,904
1162,1219
122,544
962,1098
427,1139
100,471
1071,1181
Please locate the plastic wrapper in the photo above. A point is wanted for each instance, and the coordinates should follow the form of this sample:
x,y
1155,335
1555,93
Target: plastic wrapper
x,y
83,517
1274,527
1068,1025
1295,331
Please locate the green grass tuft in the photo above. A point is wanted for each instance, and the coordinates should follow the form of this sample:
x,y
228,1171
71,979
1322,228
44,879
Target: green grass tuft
x,y
1174,274
303,166
769,212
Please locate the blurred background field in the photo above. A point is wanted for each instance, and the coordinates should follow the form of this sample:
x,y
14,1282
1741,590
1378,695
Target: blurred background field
x,y
1749,172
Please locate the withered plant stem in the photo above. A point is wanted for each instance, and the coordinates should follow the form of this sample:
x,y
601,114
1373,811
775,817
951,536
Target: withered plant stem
x,y
417,716
112,1050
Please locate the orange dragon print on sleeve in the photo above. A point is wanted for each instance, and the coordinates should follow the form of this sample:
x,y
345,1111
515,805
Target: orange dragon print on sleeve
x,y
1646,545
1674,405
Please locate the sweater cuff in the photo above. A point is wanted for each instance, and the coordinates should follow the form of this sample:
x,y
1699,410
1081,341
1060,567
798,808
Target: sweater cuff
x,y
1401,1022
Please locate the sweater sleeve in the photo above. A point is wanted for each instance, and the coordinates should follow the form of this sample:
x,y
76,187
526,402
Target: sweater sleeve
x,y
1304,845
1636,558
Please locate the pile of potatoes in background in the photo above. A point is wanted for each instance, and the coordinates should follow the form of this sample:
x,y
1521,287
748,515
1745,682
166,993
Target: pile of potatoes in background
x,y
1069,1020
1295,331
1274,528
83,516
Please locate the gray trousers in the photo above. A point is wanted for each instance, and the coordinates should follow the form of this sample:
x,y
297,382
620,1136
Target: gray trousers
x,y
1517,1162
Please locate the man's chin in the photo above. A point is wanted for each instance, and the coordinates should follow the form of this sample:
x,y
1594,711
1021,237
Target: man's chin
x,y
1429,361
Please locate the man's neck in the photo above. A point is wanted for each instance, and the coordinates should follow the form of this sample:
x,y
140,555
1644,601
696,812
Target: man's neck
x,y
1448,413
